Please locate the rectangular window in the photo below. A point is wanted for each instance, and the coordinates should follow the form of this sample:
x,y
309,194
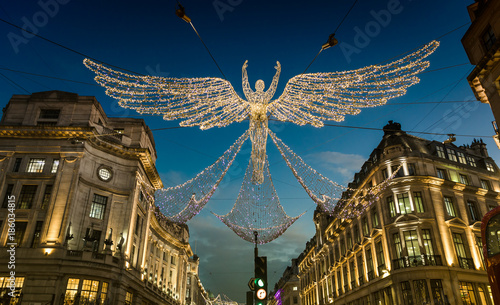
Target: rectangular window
x,y
172,260
437,291
352,274
404,203
342,247
27,196
360,270
17,165
385,174
71,291
36,234
398,249
441,173
488,39
461,157
391,206
421,292
8,193
366,229
55,165
479,244
427,240
440,152
357,236
490,167
411,242
451,154
399,172
20,230
49,114
472,161
46,196
375,220
417,200
349,240
89,290
406,293
485,184
411,169
464,179
467,293
450,209
104,293
35,165
98,206
380,257
369,264
128,298
473,212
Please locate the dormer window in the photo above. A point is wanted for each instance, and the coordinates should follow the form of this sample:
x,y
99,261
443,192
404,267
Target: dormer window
x,y
489,39
48,117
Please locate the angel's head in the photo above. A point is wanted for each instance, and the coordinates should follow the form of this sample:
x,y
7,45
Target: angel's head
x,y
259,85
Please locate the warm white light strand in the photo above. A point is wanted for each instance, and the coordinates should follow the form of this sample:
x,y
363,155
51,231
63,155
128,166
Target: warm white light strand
x,y
180,203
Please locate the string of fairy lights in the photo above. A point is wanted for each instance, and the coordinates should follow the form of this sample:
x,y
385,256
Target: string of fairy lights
x,y
310,98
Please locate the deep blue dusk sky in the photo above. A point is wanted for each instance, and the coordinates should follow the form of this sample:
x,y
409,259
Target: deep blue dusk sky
x,y
146,37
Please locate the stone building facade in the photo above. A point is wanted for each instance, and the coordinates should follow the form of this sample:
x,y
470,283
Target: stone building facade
x,y
418,241
287,289
80,186
482,45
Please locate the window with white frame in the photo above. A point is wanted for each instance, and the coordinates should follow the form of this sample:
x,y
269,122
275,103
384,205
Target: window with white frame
x,y
461,157
490,167
55,166
450,209
440,152
451,154
98,206
404,203
35,165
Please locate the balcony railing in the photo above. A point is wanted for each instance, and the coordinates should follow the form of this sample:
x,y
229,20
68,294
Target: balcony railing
x,y
466,263
416,261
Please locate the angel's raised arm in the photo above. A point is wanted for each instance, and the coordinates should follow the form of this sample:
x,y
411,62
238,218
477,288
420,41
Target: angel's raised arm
x,y
244,79
272,88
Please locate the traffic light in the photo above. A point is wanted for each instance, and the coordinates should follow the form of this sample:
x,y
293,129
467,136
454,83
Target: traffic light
x,y
260,280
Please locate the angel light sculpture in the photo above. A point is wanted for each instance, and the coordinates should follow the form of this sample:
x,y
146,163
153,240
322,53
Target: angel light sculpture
x,y
209,102
307,99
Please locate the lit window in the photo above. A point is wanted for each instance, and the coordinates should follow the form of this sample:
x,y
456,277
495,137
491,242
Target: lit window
x,y
464,179
461,157
490,167
35,165
104,173
128,298
89,290
472,161
441,173
295,288
427,240
451,154
391,206
404,203
419,204
119,130
98,206
467,293
440,152
104,292
473,212
450,209
55,165
411,242
485,184
5,289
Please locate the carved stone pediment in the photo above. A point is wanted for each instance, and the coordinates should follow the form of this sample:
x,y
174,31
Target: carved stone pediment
x,y
407,218
455,221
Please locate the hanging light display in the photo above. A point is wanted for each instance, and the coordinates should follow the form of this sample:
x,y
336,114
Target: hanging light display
x,y
308,98
257,209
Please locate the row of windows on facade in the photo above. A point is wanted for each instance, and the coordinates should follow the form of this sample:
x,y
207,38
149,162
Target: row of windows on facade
x,y
407,253
440,173
417,292
458,156
36,165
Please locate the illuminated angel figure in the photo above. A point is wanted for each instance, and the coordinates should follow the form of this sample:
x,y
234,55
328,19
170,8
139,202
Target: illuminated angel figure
x,y
307,99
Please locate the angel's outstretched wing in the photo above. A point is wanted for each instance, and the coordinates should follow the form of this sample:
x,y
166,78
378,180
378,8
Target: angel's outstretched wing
x,y
315,97
205,102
